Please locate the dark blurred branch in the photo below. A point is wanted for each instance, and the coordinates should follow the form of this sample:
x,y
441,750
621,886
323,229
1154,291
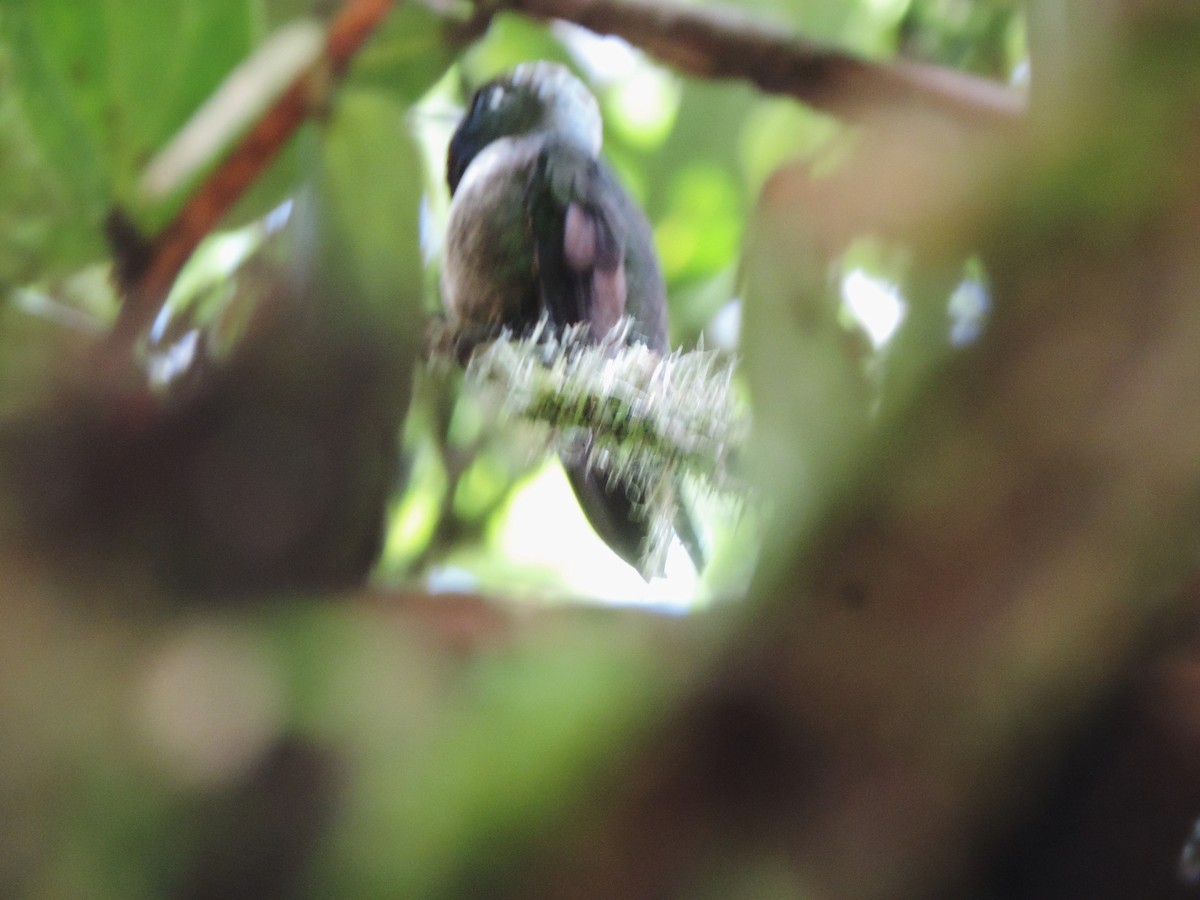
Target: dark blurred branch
x,y
1011,552
148,279
710,42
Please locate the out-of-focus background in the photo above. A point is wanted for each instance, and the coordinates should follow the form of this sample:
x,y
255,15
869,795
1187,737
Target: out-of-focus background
x,y
287,611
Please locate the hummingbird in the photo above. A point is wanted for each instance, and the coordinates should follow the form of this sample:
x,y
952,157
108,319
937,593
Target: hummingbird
x,y
541,231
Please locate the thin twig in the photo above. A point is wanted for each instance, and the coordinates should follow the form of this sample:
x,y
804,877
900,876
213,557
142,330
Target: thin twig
x,y
147,287
720,43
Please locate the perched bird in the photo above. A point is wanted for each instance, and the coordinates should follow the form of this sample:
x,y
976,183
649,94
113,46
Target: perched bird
x,y
540,228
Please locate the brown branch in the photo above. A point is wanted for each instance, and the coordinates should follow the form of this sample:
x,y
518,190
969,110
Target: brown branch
x,y
147,289
721,43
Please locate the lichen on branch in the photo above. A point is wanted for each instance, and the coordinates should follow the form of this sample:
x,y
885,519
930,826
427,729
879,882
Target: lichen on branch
x,y
639,417
640,409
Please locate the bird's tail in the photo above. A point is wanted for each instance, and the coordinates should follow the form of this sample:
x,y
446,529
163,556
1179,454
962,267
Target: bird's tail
x,y
616,510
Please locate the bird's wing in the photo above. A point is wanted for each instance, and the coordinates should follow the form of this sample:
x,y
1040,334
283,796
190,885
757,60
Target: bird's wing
x,y
595,261
575,220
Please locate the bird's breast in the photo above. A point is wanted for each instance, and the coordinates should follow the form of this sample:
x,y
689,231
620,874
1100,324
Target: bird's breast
x,y
488,270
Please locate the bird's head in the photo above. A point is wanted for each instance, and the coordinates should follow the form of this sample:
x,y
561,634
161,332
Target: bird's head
x,y
534,98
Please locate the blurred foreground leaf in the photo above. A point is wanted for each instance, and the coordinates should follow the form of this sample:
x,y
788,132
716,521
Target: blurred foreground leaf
x,y
96,89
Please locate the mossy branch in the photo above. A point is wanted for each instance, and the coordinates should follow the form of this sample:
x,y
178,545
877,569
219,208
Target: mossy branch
x,y
638,417
639,410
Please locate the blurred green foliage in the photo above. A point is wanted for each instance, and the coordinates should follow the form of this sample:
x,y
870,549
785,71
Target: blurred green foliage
x,y
93,112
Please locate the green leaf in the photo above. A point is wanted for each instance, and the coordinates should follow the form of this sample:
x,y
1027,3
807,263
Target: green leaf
x,y
510,40
369,185
407,55
96,89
